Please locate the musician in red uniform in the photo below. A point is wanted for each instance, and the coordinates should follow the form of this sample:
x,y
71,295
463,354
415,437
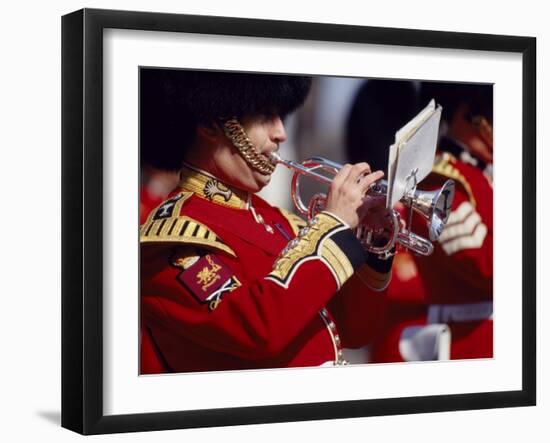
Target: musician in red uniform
x,y
229,281
459,275
440,307
454,319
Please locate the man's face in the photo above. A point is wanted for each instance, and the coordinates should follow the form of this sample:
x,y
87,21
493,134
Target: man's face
x,y
468,134
265,133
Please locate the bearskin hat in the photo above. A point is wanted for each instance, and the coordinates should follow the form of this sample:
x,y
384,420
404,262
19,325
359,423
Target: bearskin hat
x,y
478,97
173,102
379,110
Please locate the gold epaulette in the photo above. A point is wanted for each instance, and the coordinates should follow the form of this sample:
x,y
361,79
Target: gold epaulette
x,y
444,167
295,222
166,225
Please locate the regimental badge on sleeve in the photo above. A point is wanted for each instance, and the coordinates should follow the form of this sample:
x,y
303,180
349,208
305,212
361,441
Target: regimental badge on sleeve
x,y
207,278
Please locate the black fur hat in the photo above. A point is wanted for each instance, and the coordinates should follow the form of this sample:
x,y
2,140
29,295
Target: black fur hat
x,y
380,108
174,102
477,96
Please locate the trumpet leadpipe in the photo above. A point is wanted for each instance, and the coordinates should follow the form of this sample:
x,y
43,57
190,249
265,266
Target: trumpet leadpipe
x,y
308,168
276,159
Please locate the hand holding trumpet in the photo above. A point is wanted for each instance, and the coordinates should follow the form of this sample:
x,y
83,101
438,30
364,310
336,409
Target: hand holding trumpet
x,y
347,193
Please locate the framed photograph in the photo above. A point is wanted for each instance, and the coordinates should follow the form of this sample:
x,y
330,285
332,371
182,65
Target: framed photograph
x,y
202,288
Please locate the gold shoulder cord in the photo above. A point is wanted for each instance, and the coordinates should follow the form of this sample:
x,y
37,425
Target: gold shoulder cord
x,y
235,132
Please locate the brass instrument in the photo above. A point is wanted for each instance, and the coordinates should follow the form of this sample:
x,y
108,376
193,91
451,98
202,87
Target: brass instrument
x,y
433,206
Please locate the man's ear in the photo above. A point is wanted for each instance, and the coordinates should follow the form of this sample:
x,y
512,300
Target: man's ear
x,y
211,132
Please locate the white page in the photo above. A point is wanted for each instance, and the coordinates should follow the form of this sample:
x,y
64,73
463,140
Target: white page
x,y
411,156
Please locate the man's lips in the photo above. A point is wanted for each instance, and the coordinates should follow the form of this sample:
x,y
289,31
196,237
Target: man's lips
x,y
269,152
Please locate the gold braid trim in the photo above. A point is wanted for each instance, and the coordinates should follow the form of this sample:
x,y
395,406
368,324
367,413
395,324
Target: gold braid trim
x,y
172,207
165,225
235,132
295,222
313,242
181,230
211,189
337,260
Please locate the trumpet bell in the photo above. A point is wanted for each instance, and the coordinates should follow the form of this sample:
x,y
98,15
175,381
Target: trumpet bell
x,y
442,209
435,207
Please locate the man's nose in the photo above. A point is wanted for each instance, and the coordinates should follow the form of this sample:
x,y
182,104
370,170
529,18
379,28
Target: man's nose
x,y
278,132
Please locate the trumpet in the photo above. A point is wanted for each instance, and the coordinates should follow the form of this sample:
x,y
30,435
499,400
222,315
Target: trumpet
x,y
433,206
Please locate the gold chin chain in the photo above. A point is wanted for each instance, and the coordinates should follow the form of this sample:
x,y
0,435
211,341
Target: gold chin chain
x,y
235,132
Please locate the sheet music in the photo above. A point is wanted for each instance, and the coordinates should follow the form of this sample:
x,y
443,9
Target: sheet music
x,y
412,155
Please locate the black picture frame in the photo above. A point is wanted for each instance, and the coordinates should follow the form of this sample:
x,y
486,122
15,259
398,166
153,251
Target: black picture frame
x,y
82,218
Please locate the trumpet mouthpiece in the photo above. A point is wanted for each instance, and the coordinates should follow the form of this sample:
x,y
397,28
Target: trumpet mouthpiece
x,y
275,158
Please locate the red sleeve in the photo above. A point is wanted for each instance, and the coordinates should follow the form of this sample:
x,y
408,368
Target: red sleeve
x,y
254,319
360,306
466,244
464,251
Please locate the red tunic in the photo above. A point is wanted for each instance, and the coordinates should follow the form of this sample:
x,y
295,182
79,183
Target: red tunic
x,y
226,283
